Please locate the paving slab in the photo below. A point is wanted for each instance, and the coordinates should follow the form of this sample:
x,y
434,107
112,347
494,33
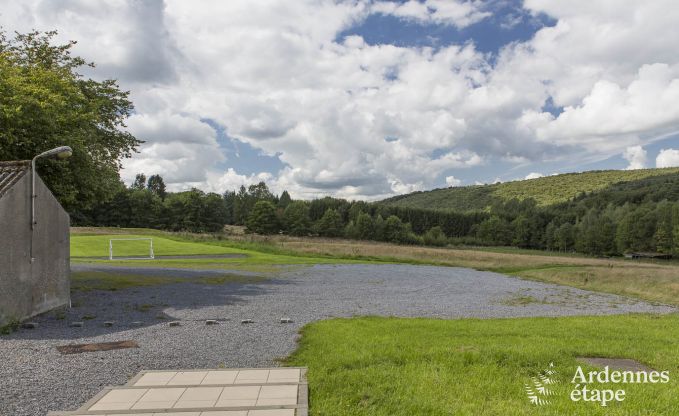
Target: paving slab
x,y
213,392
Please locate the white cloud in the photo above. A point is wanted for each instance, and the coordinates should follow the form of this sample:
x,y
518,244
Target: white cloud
x,y
534,175
274,75
636,156
453,181
667,158
450,12
177,147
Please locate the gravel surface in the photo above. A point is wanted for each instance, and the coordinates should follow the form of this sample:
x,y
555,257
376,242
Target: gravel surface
x,y
35,377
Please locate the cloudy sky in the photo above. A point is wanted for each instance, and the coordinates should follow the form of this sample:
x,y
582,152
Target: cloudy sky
x,y
367,99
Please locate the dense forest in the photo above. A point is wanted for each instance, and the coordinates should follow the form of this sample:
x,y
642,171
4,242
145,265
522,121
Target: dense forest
x,y
636,215
548,190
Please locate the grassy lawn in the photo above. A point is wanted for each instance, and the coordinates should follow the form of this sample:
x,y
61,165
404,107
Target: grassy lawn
x,y
389,366
93,248
98,246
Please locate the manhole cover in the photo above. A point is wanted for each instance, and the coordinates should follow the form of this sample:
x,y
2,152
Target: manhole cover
x,y
102,346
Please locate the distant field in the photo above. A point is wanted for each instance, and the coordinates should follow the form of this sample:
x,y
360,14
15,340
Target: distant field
x,y
651,281
90,245
404,367
98,246
546,191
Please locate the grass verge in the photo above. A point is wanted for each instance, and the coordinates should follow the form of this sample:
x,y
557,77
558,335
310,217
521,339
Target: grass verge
x,y
403,367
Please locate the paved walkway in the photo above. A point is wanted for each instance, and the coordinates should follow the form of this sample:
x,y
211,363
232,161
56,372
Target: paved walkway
x,y
228,392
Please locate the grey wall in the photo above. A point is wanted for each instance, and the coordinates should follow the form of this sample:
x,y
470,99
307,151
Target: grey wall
x,y
26,288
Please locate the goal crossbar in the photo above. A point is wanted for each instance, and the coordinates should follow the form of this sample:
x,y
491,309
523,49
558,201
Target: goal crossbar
x,y
110,248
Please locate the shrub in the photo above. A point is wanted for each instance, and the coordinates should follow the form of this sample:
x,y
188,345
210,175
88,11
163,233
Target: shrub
x,y
435,237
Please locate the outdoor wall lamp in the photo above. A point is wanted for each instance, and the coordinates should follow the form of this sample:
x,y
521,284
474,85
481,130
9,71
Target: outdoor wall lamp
x,y
61,152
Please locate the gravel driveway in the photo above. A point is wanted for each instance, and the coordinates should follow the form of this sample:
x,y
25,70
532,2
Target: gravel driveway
x,y
35,377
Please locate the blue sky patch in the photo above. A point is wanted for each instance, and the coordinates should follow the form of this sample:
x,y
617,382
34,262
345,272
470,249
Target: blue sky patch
x,y
509,22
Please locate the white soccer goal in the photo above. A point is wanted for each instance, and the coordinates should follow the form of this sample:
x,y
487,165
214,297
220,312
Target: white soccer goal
x,y
133,249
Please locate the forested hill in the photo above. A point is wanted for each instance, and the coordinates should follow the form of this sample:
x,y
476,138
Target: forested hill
x,y
546,191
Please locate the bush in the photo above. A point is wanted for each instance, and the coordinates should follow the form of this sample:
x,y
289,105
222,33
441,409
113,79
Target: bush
x,y
435,237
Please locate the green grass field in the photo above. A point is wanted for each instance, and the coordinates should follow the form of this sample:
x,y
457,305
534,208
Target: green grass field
x,y
404,367
93,248
98,246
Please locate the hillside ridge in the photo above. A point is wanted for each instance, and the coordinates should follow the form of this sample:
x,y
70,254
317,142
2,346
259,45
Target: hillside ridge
x,y
547,190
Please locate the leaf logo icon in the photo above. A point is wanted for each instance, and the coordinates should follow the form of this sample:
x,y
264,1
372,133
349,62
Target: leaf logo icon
x,y
538,390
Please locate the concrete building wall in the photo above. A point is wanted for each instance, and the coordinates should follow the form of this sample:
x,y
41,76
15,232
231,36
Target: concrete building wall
x,y
29,288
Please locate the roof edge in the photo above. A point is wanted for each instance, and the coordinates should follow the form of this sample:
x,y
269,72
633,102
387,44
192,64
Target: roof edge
x,y
17,163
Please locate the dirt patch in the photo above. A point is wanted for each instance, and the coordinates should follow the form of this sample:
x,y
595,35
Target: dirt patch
x,y
624,364
102,346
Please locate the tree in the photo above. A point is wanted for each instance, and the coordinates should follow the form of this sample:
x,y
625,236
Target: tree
x,y
296,219
45,103
284,200
260,192
522,232
330,225
495,230
394,230
262,219
365,228
664,227
145,208
379,228
564,237
550,236
139,182
157,186
229,202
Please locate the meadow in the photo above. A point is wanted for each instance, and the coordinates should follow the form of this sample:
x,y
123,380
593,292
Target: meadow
x,y
654,281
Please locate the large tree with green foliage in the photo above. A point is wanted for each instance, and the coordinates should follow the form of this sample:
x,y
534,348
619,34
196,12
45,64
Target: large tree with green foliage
x,y
45,102
263,219
296,219
330,225
156,184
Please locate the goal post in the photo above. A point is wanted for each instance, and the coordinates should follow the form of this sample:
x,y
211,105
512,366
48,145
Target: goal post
x,y
132,250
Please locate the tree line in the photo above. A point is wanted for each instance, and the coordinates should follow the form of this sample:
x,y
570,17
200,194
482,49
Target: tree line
x,y
634,216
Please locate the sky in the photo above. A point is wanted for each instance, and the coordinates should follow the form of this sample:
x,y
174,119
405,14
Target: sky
x,y
365,99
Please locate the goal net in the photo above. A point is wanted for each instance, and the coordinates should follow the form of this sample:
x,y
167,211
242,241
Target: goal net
x,y
130,249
